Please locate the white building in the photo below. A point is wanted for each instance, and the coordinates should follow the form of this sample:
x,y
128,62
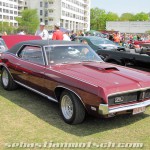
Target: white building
x,y
9,9
71,14
128,26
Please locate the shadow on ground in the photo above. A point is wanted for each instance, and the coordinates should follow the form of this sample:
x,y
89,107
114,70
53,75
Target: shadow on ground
x,y
49,112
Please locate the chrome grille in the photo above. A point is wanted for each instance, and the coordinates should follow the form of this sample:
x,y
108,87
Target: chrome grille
x,y
124,98
147,94
128,97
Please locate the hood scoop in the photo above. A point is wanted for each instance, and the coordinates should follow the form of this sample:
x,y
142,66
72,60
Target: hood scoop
x,y
102,68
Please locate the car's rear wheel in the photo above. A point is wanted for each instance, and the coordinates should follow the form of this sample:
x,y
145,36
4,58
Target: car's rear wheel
x,y
7,81
72,110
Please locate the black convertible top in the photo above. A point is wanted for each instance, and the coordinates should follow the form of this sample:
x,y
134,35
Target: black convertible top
x,y
41,43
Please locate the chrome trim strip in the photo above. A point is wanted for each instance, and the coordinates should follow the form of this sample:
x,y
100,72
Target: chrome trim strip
x,y
69,90
40,93
105,110
72,44
72,92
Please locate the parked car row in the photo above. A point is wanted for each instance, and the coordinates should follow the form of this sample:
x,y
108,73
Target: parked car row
x,y
74,76
112,53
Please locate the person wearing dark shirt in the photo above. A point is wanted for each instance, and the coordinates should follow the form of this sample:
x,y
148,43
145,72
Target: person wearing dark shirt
x,y
72,37
57,35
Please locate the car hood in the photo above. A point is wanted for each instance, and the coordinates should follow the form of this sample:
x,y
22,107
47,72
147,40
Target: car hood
x,y
112,78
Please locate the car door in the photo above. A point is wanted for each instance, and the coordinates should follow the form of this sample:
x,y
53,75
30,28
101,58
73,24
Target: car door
x,y
30,67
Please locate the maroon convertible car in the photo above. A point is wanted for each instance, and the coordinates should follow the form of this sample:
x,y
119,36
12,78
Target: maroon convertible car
x,y
73,75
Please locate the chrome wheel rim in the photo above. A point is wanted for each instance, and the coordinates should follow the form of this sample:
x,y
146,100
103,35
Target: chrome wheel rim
x,y
67,107
5,78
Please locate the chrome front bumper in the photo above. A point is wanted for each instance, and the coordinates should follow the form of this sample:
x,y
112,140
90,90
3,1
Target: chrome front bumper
x,y
105,110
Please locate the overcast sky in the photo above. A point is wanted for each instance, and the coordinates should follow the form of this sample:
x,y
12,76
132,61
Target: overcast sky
x,y
122,6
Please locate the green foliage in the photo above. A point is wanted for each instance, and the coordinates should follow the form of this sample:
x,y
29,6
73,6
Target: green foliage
x,y
148,32
6,27
98,19
29,21
127,17
141,17
112,16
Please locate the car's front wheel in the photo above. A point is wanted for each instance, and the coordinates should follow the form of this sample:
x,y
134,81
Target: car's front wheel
x,y
7,81
72,110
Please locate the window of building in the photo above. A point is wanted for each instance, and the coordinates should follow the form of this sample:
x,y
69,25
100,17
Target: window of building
x,y
41,12
46,22
51,10
15,12
50,2
66,24
50,19
46,13
41,4
46,4
15,6
11,5
11,17
11,11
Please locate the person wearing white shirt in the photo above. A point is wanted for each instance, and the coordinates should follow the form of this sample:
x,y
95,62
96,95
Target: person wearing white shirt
x,y
42,32
21,32
66,37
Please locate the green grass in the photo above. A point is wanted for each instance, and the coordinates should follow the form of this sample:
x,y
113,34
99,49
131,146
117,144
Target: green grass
x,y
28,117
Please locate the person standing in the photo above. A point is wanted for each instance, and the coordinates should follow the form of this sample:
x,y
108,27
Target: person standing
x,y
57,35
73,35
66,36
42,32
21,32
116,38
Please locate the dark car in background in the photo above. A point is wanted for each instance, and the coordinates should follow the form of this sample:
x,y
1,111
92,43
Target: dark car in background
x,y
145,48
117,54
100,43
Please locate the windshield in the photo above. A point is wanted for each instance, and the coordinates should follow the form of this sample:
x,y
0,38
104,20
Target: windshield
x,y
101,41
71,54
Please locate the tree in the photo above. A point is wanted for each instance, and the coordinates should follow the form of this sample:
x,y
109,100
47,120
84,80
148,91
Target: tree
x,y
98,19
141,17
29,20
112,16
6,27
127,17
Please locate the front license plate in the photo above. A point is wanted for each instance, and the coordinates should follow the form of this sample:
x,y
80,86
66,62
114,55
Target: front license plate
x,y
138,110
